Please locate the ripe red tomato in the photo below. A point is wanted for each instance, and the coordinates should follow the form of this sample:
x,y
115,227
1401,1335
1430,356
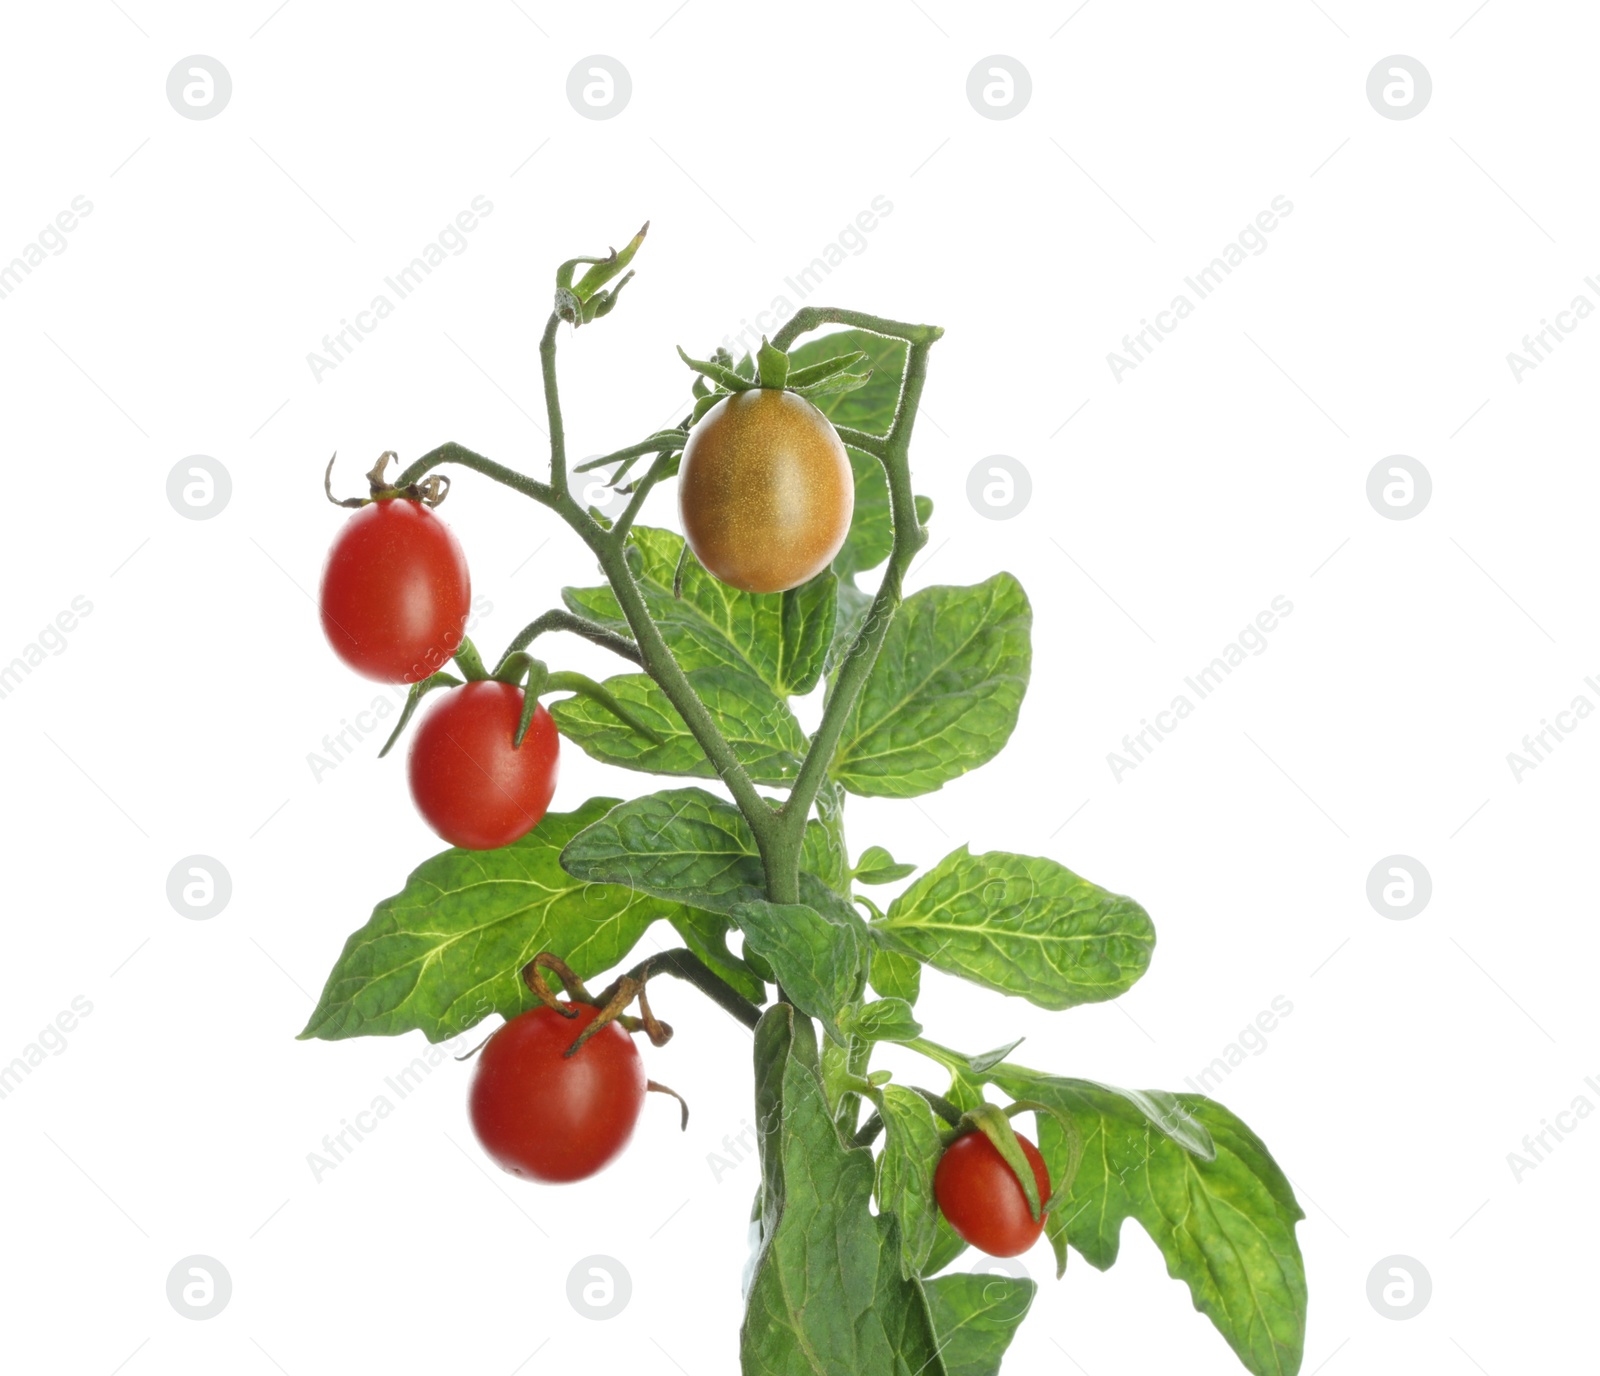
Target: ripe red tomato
x,y
469,782
545,1116
765,490
395,592
982,1198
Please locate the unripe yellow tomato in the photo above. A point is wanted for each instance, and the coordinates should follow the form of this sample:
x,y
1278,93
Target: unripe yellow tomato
x,y
765,490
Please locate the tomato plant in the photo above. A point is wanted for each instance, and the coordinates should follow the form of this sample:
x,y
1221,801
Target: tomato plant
x,y
717,636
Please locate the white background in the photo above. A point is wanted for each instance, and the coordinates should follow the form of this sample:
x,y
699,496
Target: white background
x,y
1169,510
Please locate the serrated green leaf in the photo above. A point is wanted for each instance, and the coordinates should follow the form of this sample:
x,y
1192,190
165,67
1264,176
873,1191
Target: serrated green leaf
x,y
685,845
976,1315
944,694
877,866
780,637
911,1150
1022,925
885,1020
759,726
817,955
1225,1225
448,949
893,973
827,1297
816,372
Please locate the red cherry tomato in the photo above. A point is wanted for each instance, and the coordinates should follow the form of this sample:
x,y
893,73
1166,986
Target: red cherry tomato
x,y
547,1116
395,592
469,782
982,1198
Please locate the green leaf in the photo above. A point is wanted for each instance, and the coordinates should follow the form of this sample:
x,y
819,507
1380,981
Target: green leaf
x,y
817,956
944,694
877,866
706,934
807,630
685,845
852,611
976,1315
912,1147
723,377
871,536
885,1020
448,949
772,365
1225,1225
776,636
827,1297
947,1246
893,973
759,726
1022,925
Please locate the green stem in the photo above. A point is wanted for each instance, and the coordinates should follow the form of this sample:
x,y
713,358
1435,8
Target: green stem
x,y
552,406
560,620
460,454
689,967
641,490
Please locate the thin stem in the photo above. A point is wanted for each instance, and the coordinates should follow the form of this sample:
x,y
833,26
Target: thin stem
x,y
456,453
809,317
558,619
689,967
859,439
552,406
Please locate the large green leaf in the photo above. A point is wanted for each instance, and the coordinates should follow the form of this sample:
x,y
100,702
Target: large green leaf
x,y
1022,925
779,637
944,694
1225,1225
448,949
757,724
827,1297
685,845
976,1316
893,973
911,1152
817,955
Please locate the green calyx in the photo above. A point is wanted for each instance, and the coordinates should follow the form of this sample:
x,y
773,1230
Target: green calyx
x,y
769,370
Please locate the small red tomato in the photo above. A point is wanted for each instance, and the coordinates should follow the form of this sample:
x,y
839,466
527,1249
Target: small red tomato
x,y
982,1198
395,592
546,1116
469,782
